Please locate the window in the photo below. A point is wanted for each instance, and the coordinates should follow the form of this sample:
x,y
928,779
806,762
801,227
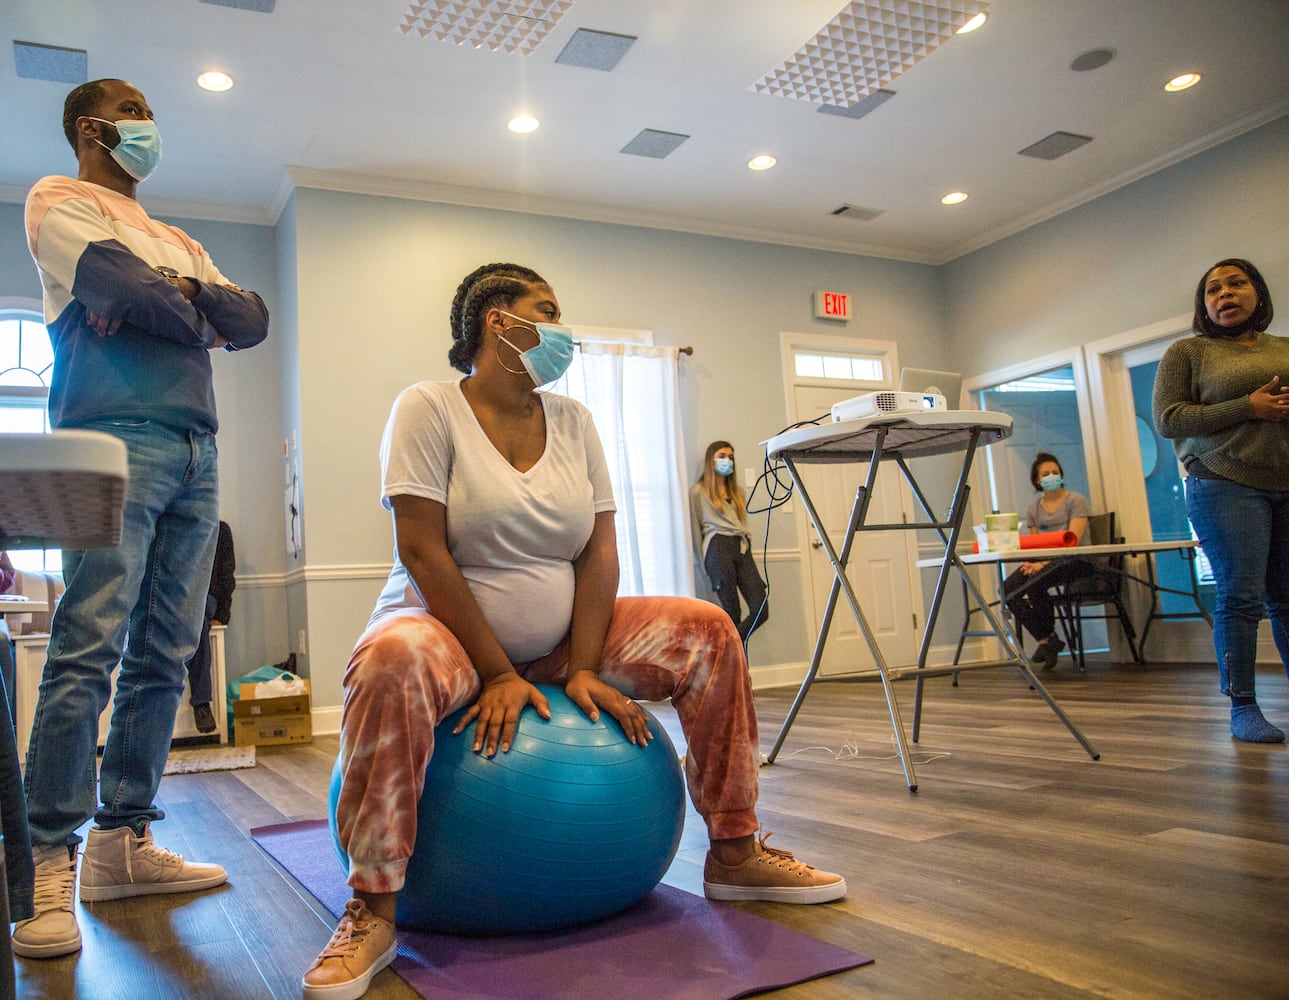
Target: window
x,y
839,367
26,361
26,364
630,387
1044,408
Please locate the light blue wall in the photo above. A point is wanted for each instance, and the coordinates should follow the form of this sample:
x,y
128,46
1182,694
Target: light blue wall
x,y
1126,260
359,287
376,276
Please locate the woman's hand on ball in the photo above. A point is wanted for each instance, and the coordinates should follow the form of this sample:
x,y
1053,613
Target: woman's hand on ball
x,y
591,694
497,710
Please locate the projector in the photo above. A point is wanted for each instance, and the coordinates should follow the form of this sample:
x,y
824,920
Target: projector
x,y
871,404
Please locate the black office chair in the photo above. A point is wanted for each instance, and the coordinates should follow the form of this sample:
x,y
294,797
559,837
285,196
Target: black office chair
x,y
1103,589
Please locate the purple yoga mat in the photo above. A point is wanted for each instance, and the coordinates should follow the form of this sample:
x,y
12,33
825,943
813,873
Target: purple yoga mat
x,y
671,944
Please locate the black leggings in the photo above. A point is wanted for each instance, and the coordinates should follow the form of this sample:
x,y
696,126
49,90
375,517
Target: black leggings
x,y
1028,598
732,571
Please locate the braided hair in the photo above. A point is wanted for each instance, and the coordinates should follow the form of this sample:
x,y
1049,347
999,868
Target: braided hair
x,y
480,290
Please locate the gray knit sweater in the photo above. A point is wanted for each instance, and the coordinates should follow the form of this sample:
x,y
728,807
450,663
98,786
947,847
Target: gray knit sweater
x,y
1202,403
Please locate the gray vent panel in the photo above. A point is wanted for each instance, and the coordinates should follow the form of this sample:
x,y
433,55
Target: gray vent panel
x,y
654,143
595,49
54,63
860,108
1056,145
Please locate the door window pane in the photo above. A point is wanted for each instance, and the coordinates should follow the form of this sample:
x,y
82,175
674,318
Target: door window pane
x,y
1166,498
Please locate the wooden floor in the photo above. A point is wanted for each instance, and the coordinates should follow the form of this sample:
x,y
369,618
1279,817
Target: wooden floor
x,y
1021,868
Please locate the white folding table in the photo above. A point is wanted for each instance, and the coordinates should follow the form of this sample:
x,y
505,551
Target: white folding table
x,y
63,490
896,438
1185,547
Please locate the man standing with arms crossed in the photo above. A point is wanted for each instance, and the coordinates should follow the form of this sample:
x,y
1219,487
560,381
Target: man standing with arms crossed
x,y
133,307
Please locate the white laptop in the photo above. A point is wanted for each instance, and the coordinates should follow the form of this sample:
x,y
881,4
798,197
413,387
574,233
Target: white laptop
x,y
925,381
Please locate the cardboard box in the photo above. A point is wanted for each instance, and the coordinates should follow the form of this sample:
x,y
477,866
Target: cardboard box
x,y
267,722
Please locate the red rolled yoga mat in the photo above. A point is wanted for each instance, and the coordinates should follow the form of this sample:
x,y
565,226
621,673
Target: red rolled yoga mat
x,y
1043,540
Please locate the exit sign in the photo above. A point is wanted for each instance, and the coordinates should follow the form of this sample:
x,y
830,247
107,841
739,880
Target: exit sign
x,y
832,305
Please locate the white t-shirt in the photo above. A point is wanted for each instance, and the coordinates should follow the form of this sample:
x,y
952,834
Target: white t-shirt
x,y
513,534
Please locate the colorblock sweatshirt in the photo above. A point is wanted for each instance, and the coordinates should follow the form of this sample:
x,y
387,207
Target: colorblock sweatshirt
x,y
98,250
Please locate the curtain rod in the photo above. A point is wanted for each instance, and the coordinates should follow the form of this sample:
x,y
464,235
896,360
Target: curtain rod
x,y
687,349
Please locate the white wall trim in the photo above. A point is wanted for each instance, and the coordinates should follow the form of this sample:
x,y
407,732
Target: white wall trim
x,y
448,194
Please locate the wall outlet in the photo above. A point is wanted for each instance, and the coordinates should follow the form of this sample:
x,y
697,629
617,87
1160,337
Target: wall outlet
x,y
302,643
749,477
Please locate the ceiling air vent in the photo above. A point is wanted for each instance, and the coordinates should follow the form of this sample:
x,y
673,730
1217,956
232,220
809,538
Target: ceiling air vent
x,y
654,143
860,108
857,213
260,6
1056,145
595,49
34,61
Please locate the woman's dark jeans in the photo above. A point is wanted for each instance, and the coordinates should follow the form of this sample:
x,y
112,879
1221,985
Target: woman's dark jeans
x,y
733,571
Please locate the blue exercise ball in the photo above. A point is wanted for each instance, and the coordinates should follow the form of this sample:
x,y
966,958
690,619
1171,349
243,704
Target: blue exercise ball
x,y
573,823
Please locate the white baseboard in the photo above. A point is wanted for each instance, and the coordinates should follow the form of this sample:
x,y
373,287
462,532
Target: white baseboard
x,y
326,720
792,674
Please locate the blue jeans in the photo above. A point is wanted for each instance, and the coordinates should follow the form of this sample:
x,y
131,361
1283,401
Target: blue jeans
x,y
1245,534
151,587
19,872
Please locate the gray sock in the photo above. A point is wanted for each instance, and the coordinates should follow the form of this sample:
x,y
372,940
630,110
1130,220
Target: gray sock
x,y
1249,725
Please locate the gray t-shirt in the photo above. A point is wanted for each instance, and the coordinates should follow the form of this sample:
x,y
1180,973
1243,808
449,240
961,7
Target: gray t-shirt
x,y
1038,519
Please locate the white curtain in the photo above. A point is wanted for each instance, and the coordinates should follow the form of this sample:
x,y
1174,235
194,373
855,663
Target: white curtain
x,y
632,390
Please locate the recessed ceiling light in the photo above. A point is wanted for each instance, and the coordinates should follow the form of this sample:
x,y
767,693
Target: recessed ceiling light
x,y
974,23
214,80
523,124
763,162
954,198
1183,82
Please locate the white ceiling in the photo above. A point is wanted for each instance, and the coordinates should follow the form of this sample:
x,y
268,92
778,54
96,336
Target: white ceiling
x,y
335,91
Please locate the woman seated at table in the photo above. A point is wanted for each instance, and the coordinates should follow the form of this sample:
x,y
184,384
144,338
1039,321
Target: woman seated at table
x,y
506,576
1026,589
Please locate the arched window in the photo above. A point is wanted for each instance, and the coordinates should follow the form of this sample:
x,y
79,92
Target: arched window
x,y
26,363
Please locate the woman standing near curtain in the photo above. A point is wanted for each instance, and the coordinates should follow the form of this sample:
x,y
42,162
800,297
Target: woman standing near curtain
x,y
1220,397
719,512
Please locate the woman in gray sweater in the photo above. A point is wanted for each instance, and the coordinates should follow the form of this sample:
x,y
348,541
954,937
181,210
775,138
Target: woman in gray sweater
x,y
719,513
1219,397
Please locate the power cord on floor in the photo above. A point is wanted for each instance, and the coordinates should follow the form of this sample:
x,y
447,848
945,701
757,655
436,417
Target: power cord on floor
x,y
850,751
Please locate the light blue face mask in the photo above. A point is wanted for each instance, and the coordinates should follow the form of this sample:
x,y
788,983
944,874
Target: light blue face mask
x,y
1051,482
550,358
139,150
724,466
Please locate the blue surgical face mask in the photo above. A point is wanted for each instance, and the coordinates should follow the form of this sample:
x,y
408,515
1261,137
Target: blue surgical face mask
x,y
550,359
139,150
724,466
1051,482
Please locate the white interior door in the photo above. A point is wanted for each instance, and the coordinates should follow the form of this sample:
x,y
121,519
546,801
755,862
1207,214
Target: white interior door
x,y
880,566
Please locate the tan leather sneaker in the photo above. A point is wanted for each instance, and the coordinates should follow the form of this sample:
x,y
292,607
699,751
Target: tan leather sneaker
x,y
362,945
771,875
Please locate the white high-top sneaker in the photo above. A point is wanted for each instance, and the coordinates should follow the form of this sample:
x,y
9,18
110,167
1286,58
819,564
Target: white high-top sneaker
x,y
52,931
117,864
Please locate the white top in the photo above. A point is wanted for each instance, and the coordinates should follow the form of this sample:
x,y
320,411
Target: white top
x,y
513,534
